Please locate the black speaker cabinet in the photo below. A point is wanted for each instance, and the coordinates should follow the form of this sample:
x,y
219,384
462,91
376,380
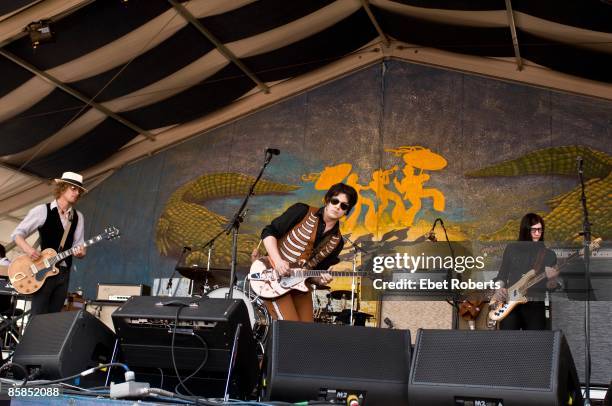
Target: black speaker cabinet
x,y
568,316
312,361
459,367
204,337
63,344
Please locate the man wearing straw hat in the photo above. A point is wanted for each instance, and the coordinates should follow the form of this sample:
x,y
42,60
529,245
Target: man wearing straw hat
x,y
60,227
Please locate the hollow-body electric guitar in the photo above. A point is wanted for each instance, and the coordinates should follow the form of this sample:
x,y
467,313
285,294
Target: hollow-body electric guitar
x,y
29,276
517,293
265,281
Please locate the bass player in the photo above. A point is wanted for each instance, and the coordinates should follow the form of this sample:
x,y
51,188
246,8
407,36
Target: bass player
x,y
529,252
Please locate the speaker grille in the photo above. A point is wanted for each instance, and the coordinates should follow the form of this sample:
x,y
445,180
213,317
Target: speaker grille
x,y
54,327
515,359
347,352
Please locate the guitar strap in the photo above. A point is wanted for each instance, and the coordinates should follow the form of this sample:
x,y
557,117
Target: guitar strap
x,y
537,265
66,231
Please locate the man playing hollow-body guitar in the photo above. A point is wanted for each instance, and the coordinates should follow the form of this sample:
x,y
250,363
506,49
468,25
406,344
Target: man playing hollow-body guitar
x,y
59,225
311,237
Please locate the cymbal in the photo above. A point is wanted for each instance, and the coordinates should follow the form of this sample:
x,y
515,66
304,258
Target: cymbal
x,y
197,272
337,294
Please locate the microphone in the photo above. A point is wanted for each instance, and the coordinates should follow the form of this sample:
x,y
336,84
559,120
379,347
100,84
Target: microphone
x,y
169,285
388,322
273,151
354,245
431,235
580,163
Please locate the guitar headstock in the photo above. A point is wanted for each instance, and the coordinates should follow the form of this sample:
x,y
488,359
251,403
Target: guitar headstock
x,y
595,244
110,233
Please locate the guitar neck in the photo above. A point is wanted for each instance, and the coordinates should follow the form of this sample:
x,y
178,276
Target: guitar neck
x,y
561,265
310,273
65,254
535,280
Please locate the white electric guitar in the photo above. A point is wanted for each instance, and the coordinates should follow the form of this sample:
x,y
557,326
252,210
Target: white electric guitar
x,y
517,293
266,282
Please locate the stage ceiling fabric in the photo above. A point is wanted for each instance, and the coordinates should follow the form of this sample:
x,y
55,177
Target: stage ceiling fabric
x,y
125,79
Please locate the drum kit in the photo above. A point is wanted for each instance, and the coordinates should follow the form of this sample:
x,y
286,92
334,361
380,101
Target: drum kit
x,y
214,283
334,307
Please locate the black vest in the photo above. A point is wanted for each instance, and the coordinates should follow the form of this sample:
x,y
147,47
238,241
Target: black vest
x,y
52,231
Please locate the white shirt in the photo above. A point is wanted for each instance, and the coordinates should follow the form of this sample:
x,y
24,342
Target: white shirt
x,y
37,216
5,261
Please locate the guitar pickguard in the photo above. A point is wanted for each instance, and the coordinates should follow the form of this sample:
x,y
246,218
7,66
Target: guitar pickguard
x,y
289,282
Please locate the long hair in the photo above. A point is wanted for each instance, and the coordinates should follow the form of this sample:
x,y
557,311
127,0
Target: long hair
x,y
529,220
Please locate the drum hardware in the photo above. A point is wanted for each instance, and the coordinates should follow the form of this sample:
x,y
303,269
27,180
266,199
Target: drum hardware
x,y
11,315
354,283
204,279
359,318
339,294
321,313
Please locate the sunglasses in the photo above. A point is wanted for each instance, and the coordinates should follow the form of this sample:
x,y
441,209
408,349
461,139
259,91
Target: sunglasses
x,y
334,201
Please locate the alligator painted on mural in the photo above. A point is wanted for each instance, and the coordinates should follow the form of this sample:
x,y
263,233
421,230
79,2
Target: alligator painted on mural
x,y
186,222
565,217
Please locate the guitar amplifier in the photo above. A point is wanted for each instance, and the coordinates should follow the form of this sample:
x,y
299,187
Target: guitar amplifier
x,y
202,345
120,292
103,310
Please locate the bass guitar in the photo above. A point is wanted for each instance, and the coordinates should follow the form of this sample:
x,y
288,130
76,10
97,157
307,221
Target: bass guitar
x,y
517,293
266,282
29,276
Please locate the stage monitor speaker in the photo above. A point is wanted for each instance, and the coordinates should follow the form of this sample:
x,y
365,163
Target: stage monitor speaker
x,y
145,325
63,344
458,367
568,316
327,362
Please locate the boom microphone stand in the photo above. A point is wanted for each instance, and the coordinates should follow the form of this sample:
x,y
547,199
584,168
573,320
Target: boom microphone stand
x,y
356,248
586,234
234,225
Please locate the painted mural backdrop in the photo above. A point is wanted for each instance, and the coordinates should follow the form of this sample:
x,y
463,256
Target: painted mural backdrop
x,y
416,142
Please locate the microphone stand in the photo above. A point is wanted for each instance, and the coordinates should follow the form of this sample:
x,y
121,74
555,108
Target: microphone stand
x,y
453,298
181,258
586,234
234,225
356,248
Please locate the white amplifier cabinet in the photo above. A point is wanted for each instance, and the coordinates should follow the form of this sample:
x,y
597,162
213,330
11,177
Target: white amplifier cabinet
x,y
120,292
103,311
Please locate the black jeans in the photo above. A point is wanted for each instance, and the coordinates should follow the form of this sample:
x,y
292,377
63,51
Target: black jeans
x,y
528,316
51,297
